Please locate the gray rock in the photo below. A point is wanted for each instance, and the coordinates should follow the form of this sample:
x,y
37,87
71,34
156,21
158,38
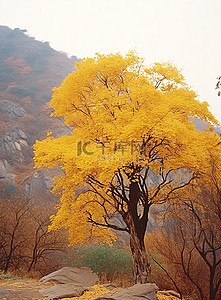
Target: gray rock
x,y
60,291
7,148
21,134
23,143
76,276
19,112
136,292
26,190
109,286
7,138
13,111
12,146
13,142
7,165
4,293
41,180
6,175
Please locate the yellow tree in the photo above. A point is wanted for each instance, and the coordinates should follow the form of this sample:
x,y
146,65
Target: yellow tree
x,y
132,144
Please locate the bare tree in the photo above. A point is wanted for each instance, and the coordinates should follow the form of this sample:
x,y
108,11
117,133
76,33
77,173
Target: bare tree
x,y
13,222
25,241
44,243
192,244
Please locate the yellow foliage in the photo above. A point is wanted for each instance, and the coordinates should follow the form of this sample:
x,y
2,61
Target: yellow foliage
x,y
97,290
166,297
113,104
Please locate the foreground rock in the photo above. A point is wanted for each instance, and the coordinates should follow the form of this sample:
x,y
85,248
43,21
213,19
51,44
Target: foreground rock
x,y
73,282
76,276
136,292
5,293
65,290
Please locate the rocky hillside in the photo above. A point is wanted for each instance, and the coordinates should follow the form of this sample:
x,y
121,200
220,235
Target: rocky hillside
x,y
29,69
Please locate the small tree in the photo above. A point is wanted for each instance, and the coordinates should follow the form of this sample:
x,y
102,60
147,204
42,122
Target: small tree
x,y
132,146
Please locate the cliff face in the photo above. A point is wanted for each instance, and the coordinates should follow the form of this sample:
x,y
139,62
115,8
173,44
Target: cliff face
x,y
29,69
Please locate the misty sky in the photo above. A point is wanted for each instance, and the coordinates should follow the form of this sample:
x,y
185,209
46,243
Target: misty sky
x,y
186,32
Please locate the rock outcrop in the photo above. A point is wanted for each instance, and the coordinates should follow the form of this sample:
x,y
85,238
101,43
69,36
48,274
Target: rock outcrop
x,y
6,175
5,293
136,292
40,181
11,110
78,276
62,291
73,282
12,142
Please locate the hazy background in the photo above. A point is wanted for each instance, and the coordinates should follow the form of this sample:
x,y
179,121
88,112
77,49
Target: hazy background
x,y
182,31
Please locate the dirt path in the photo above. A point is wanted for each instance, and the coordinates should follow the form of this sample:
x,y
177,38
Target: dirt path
x,y
22,289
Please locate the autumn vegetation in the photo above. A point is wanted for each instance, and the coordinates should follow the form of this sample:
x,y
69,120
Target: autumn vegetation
x,y
132,155
26,246
134,148
194,233
111,264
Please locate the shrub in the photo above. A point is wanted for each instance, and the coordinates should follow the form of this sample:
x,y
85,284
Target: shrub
x,y
108,263
6,276
11,190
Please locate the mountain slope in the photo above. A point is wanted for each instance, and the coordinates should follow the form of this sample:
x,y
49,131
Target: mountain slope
x,y
29,69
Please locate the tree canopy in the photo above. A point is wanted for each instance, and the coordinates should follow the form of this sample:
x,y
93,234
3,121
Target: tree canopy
x,y
133,144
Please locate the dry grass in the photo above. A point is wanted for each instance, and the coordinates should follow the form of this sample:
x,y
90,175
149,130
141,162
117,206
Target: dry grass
x,y
97,290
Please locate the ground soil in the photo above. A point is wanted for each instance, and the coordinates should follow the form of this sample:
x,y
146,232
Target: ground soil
x,y
22,289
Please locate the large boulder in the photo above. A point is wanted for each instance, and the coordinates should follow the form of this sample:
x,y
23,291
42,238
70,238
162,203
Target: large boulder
x,y
77,276
136,292
66,290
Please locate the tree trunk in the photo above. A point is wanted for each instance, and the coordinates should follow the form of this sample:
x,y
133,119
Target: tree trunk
x,y
10,252
137,227
212,295
140,261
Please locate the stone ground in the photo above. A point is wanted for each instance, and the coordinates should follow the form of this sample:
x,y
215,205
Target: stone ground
x,y
22,289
